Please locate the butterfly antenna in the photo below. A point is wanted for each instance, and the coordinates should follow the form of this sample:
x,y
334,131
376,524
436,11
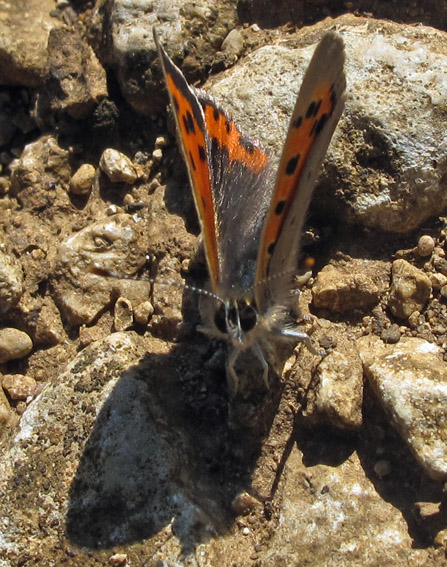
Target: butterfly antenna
x,y
103,272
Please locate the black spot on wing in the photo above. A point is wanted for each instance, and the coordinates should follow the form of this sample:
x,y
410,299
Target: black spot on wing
x,y
175,101
228,126
291,164
216,114
246,144
271,248
188,121
202,153
280,207
298,122
191,159
320,124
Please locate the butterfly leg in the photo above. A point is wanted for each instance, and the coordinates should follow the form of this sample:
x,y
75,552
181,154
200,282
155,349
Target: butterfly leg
x,y
265,366
303,338
234,378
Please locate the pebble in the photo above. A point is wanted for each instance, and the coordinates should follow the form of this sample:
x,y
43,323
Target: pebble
x,y
157,154
4,185
18,386
161,142
82,181
425,246
14,344
117,166
143,312
410,289
243,504
118,559
123,314
391,334
233,43
437,280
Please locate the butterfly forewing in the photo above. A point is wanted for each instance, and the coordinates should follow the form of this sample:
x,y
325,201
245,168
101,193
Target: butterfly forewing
x,y
317,110
242,189
195,142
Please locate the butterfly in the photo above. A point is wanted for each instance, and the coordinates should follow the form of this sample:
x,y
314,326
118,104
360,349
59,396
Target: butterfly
x,y
251,223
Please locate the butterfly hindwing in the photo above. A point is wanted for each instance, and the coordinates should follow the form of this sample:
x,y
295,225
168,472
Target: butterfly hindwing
x,y
195,142
317,110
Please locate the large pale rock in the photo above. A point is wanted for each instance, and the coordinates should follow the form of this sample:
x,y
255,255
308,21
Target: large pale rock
x,y
379,155
14,344
410,380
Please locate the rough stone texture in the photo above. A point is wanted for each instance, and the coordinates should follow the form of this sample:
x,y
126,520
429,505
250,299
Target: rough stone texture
x,y
410,380
42,173
24,29
117,166
76,82
410,289
388,171
352,284
18,386
11,281
114,244
124,41
337,393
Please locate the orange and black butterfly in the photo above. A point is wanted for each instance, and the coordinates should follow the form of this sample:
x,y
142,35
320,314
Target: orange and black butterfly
x,y
250,221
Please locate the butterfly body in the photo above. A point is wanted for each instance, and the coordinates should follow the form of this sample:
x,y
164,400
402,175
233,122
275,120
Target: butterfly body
x,y
251,221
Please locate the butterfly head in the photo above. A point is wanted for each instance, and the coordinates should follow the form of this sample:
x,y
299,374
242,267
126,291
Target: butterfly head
x,y
235,319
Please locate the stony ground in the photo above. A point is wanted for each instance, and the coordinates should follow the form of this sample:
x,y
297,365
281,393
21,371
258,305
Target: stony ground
x,y
121,443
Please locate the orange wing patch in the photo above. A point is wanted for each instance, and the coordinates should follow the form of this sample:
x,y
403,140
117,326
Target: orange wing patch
x,y
301,138
191,126
224,132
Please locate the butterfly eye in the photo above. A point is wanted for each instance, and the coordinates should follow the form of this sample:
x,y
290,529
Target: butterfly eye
x,y
220,319
248,317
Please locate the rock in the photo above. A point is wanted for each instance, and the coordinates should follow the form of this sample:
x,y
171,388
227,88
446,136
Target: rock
x,y
115,244
5,410
23,41
410,289
14,344
117,167
76,82
382,148
18,386
350,285
233,44
337,395
143,312
425,246
437,281
82,181
410,381
244,503
41,175
123,314
391,334
123,40
46,327
11,282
